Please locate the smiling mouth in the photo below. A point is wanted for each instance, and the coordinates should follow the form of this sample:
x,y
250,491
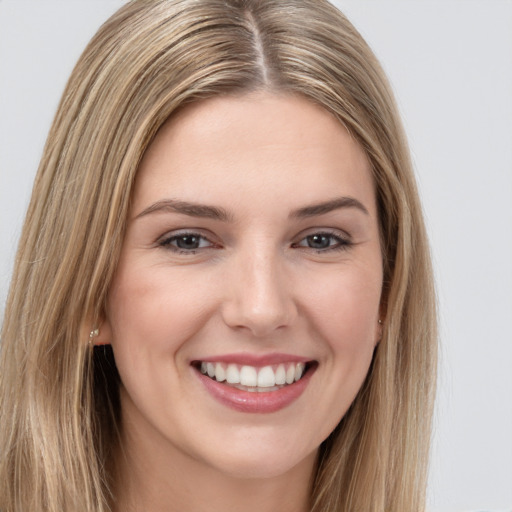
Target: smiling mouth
x,y
252,378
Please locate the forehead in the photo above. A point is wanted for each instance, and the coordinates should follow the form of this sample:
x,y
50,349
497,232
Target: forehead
x,y
257,146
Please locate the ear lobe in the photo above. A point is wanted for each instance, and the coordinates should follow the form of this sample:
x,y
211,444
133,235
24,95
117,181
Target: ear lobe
x,y
101,333
104,334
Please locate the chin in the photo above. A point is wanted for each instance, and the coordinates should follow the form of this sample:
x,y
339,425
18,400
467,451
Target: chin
x,y
262,462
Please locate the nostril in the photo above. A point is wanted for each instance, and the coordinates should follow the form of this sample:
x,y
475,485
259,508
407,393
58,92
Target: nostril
x,y
260,322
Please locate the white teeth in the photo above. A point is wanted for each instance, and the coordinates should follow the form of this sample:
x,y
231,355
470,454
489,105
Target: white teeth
x,y
266,377
248,376
220,373
280,375
290,374
298,371
232,374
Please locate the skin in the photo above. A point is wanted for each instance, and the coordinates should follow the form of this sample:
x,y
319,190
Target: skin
x,y
256,284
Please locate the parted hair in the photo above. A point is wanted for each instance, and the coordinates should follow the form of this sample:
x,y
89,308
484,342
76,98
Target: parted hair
x,y
59,399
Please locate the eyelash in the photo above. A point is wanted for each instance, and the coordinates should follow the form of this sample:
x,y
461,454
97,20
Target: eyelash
x,y
341,243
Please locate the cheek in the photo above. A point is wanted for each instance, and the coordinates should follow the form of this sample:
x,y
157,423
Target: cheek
x,y
345,306
345,315
153,311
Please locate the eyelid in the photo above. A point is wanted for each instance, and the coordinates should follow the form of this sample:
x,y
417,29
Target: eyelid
x,y
340,233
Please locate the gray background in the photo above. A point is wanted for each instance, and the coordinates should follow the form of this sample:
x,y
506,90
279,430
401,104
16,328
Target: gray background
x,y
450,62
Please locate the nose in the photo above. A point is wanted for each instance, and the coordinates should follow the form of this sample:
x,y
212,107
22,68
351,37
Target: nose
x,y
259,296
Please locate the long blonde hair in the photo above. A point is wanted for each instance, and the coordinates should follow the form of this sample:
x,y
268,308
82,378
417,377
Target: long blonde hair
x,y
59,409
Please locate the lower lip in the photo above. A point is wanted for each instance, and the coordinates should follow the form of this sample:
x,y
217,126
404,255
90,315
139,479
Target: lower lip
x,y
256,402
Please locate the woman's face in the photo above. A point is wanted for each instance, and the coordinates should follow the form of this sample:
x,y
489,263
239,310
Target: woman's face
x,y
244,311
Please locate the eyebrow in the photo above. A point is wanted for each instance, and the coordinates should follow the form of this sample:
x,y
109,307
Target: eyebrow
x,y
187,208
218,213
329,206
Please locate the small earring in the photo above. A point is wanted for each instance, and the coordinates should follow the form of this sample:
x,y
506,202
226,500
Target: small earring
x,y
93,335
380,321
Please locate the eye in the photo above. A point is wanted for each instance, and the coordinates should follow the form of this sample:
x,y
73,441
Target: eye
x,y
186,242
323,242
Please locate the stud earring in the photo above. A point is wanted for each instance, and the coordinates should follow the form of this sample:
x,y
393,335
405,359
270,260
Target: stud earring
x,y
380,321
93,335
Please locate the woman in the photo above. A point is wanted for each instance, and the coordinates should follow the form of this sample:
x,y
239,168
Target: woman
x,y
225,210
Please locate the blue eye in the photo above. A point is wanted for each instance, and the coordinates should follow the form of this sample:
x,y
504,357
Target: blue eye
x,y
323,242
186,242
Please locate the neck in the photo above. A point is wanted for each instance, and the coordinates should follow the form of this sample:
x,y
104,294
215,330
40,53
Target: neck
x,y
172,481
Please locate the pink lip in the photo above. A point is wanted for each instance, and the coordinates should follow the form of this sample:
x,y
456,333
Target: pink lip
x,y
255,402
257,360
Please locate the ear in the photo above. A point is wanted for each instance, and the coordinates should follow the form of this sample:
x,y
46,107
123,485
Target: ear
x,y
379,330
104,336
102,331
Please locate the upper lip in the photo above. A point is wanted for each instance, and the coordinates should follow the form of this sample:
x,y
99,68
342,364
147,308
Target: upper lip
x,y
250,359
